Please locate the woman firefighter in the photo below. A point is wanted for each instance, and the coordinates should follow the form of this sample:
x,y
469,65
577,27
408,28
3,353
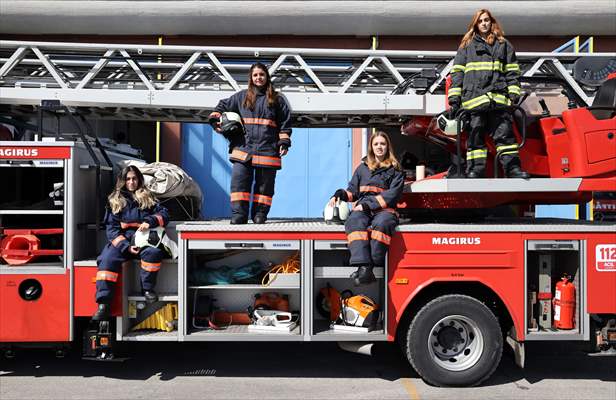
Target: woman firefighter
x,y
485,82
132,208
375,188
257,155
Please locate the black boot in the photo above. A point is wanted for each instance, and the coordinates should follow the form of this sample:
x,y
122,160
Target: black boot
x,y
476,173
150,296
238,219
516,172
102,313
363,275
259,218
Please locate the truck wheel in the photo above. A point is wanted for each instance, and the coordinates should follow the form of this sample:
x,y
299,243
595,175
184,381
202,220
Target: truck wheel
x,y
454,340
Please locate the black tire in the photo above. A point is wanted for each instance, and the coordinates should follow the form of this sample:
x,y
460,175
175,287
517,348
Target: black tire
x,y
461,326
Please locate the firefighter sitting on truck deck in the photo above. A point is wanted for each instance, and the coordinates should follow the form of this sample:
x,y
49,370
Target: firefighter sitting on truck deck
x,y
485,81
375,188
132,207
267,120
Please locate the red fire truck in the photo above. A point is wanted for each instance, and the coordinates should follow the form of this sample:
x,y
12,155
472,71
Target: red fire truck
x,y
451,294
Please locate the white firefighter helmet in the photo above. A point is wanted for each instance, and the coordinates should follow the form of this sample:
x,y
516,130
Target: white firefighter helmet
x,y
149,237
448,126
231,123
336,214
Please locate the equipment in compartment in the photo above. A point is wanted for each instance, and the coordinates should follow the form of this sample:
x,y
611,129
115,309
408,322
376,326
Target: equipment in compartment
x,y
163,319
545,291
21,246
564,304
348,310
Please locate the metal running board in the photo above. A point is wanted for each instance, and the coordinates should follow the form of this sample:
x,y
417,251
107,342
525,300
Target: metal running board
x,y
184,83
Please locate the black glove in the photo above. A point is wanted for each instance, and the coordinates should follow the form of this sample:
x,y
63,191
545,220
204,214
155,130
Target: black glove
x,y
284,147
341,194
514,99
454,106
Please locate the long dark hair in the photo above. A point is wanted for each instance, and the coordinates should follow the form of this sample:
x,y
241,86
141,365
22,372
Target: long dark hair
x,y
251,94
142,195
496,32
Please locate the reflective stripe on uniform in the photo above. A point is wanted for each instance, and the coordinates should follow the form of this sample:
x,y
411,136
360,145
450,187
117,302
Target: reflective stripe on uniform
x,y
107,276
512,67
119,239
260,198
240,196
507,149
283,136
381,201
484,66
126,225
454,92
357,235
515,89
150,267
259,121
486,98
475,154
374,189
159,218
239,155
458,68
381,237
265,160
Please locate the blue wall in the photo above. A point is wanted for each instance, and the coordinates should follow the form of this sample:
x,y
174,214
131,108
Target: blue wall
x,y
318,163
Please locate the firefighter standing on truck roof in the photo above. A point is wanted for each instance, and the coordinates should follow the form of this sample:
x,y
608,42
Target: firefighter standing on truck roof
x,y
132,207
375,188
485,81
267,121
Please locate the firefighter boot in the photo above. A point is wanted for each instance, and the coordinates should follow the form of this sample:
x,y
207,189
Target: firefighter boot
x,y
363,275
516,172
150,296
102,313
238,219
259,218
475,173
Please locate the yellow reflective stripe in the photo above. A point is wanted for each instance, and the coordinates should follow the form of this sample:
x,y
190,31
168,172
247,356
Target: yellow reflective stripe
x,y
512,67
484,66
477,101
507,147
509,152
454,92
458,68
515,89
498,98
475,154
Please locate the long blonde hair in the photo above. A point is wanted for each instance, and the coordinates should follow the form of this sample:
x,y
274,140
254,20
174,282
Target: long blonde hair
x,y
143,196
496,32
390,159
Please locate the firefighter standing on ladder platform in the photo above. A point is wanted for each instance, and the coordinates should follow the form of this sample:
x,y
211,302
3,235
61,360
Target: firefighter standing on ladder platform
x,y
375,188
133,207
485,81
267,120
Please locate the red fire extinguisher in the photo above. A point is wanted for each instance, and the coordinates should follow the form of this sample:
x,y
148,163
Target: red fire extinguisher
x,y
564,304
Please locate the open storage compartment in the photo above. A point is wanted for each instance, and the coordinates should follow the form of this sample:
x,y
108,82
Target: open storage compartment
x,y
554,306
331,271
224,278
157,321
29,184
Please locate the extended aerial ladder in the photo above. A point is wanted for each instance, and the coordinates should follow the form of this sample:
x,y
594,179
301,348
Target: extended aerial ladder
x,y
325,87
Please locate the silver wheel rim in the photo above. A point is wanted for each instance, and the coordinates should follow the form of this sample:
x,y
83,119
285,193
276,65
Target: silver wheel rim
x,y
455,343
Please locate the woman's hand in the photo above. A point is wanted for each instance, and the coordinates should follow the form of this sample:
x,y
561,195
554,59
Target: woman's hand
x,y
134,250
283,151
332,201
358,207
144,226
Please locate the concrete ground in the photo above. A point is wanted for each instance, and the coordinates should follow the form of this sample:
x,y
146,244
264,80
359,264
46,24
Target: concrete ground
x,y
294,371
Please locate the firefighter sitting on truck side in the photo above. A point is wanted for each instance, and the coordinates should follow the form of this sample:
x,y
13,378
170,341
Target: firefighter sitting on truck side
x,y
375,188
267,120
132,207
485,81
